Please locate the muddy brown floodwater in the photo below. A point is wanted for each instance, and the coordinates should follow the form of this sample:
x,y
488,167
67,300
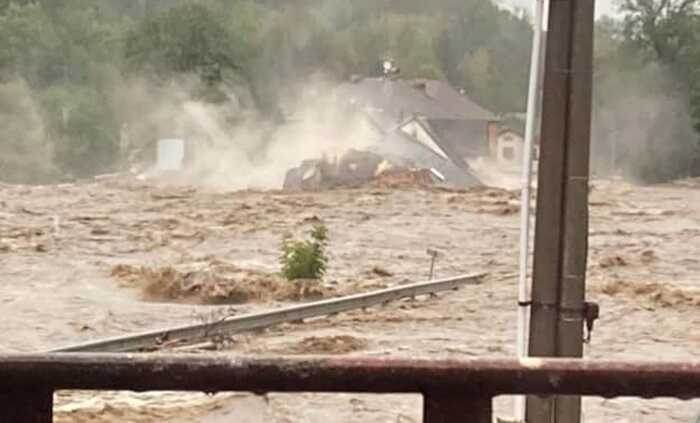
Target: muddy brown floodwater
x,y
60,246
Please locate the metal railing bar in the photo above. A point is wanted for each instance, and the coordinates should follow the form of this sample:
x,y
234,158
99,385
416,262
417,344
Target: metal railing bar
x,y
478,377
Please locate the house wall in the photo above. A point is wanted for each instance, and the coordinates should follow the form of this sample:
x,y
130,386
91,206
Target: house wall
x,y
509,148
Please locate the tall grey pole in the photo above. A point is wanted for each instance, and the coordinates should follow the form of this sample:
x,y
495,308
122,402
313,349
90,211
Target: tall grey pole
x,y
561,232
530,126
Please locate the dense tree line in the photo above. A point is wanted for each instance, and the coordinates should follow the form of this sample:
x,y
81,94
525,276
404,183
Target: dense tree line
x,y
73,73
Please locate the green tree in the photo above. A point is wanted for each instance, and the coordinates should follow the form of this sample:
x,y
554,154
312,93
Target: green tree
x,y
188,37
29,45
667,28
82,128
305,259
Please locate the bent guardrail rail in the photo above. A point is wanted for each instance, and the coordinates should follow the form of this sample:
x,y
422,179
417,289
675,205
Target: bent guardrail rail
x,y
254,321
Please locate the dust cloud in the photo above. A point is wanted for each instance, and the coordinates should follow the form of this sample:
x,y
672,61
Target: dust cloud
x,y
228,143
24,153
642,130
250,152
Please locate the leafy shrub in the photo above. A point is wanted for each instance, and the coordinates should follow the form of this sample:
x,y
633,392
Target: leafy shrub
x,y
305,259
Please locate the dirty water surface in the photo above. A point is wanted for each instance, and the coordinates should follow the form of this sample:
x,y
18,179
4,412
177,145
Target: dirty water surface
x,y
62,249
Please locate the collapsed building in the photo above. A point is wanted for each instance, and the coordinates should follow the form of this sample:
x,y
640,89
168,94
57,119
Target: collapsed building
x,y
423,124
355,168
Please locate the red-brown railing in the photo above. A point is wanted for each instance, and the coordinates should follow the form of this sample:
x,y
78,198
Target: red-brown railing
x,y
453,390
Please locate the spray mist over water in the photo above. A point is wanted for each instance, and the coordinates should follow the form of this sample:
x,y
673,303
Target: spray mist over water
x,y
642,129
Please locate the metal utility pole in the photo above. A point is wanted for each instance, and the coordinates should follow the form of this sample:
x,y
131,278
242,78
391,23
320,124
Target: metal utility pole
x,y
561,230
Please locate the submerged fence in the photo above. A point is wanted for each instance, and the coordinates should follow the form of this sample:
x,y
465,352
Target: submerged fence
x,y
453,390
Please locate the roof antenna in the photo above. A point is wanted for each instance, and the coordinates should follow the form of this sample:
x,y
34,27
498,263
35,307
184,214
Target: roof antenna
x,y
389,68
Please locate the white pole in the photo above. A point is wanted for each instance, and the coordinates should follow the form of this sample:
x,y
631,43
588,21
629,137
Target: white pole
x,y
523,285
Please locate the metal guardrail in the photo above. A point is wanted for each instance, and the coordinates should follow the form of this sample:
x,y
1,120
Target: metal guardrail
x,y
453,390
254,321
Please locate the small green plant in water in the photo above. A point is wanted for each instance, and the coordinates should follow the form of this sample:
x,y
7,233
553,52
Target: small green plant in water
x,y
305,259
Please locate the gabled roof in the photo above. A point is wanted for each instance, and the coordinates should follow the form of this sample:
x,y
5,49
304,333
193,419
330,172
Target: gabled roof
x,y
452,100
393,97
509,130
431,99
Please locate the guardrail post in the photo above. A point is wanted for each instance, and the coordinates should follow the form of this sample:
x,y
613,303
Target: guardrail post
x,y
35,406
441,408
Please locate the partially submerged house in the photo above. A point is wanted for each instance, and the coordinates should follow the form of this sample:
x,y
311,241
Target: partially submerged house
x,y
424,120
386,147
421,123
508,147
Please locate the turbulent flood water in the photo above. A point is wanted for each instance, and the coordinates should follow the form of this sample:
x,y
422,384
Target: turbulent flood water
x,y
59,244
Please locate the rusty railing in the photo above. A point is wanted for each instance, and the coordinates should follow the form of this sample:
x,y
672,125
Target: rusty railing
x,y
453,390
